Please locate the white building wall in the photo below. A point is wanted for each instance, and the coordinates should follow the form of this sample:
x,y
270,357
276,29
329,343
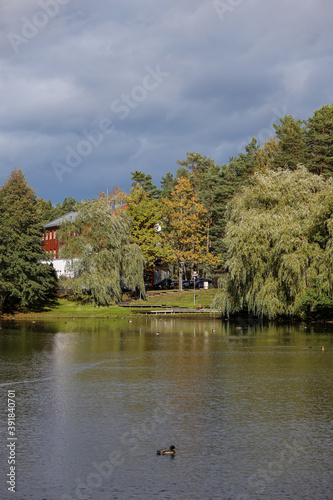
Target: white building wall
x,y
60,267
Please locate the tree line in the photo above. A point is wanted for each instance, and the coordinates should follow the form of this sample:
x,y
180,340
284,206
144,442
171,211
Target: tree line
x,y
262,222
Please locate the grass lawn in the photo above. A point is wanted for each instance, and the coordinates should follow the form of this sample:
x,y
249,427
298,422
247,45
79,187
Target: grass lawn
x,y
65,308
180,299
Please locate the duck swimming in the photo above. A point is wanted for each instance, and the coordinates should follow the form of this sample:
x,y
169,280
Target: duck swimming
x,y
170,451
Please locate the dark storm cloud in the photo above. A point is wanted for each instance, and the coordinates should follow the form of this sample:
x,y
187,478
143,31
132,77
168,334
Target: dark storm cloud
x,y
224,71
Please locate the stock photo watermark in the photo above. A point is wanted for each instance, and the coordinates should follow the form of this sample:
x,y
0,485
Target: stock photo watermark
x,y
263,477
121,107
223,8
102,471
31,27
11,441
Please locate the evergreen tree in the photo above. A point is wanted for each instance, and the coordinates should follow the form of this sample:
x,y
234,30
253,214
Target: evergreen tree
x,y
319,141
181,173
68,205
198,166
45,210
24,281
145,182
167,184
292,150
229,180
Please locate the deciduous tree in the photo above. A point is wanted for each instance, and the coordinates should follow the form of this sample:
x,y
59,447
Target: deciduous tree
x,y
146,215
279,245
102,257
185,227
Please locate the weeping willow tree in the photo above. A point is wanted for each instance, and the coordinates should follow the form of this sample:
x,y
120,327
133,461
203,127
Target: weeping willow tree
x,y
102,259
279,237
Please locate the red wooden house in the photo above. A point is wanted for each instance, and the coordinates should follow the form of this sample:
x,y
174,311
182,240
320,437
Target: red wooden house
x,y
51,243
50,240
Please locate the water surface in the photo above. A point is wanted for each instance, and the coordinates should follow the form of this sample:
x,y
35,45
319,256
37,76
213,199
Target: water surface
x,y
249,407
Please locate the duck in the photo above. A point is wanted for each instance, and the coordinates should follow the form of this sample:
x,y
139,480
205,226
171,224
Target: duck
x,y
170,451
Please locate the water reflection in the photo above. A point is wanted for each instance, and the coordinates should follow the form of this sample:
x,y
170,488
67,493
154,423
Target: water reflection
x,y
249,406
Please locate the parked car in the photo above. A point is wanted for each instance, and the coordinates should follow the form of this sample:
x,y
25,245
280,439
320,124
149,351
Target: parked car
x,y
199,283
185,284
162,285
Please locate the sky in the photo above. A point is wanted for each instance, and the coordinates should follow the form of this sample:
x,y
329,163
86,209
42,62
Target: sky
x,y
92,91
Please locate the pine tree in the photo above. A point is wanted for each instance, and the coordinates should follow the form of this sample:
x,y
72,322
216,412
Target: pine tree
x,y
145,181
45,210
68,205
292,150
229,180
319,141
167,184
24,281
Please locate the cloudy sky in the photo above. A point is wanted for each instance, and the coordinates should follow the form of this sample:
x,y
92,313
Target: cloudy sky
x,y
92,91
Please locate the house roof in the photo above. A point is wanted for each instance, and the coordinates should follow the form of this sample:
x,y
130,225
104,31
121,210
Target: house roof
x,y
69,217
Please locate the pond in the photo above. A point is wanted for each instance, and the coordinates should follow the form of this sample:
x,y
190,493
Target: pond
x,y
248,406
